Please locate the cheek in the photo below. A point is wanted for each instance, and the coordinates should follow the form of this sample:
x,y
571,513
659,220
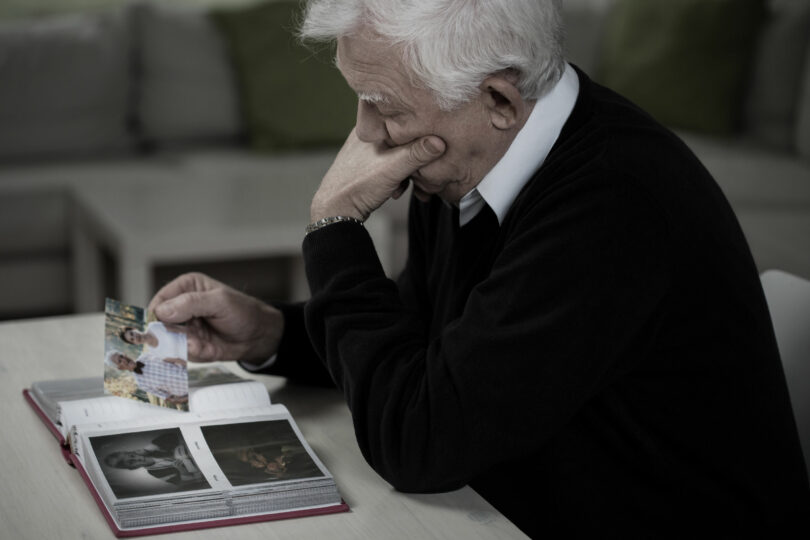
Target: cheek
x,y
400,133
440,171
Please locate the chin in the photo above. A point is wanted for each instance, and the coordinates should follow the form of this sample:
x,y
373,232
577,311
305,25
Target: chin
x,y
421,195
449,188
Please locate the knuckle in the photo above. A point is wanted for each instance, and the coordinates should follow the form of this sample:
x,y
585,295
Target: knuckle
x,y
198,279
219,297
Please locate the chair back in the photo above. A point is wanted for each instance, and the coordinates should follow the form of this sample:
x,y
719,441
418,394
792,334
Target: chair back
x,y
788,299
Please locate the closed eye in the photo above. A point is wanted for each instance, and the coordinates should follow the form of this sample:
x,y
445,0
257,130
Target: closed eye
x,y
387,113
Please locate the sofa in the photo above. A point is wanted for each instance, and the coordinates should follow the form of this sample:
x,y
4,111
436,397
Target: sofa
x,y
134,92
151,89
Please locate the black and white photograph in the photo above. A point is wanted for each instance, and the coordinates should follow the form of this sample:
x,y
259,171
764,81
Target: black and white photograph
x,y
147,463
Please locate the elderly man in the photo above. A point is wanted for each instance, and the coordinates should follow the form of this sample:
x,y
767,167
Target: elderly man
x,y
163,377
579,332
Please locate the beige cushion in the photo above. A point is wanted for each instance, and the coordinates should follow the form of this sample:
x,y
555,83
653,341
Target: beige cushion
x,y
291,96
684,61
772,102
187,90
65,85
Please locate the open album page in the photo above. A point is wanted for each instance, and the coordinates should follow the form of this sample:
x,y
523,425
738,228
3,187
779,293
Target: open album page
x,y
223,400
208,469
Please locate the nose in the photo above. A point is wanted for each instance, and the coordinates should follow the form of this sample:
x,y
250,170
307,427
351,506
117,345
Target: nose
x,y
370,126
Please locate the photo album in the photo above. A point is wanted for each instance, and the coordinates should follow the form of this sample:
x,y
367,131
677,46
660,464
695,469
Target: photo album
x,y
165,446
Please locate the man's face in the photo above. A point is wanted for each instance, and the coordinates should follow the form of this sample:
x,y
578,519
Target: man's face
x,y
123,363
132,460
393,112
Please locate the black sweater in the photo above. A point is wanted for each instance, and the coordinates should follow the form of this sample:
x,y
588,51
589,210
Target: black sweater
x,y
602,363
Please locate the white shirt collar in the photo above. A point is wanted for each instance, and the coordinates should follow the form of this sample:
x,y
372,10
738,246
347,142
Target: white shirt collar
x,y
526,154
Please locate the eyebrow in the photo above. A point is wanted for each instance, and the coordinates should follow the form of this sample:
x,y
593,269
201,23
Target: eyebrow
x,y
366,96
374,97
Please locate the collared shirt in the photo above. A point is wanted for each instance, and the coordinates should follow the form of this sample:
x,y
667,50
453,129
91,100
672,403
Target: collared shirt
x,y
183,466
162,379
163,463
526,154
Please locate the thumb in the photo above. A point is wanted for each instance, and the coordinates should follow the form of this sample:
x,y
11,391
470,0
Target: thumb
x,y
419,153
186,306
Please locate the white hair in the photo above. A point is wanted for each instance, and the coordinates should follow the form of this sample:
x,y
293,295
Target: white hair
x,y
108,358
451,46
373,97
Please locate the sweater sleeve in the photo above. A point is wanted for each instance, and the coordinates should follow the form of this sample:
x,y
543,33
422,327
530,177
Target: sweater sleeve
x,y
557,319
296,358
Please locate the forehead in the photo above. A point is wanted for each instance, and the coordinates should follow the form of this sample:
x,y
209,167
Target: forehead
x,y
375,71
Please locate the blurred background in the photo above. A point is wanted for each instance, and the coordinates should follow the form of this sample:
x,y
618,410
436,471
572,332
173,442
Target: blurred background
x,y
142,139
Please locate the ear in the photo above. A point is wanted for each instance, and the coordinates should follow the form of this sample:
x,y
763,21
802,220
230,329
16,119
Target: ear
x,y
503,102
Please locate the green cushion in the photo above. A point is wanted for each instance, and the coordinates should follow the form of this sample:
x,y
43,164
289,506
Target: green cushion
x,y
685,61
291,97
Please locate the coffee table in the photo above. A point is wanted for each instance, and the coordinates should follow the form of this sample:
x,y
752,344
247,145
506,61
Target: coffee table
x,y
206,214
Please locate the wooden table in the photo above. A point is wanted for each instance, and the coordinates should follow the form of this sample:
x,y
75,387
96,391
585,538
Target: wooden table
x,y
43,498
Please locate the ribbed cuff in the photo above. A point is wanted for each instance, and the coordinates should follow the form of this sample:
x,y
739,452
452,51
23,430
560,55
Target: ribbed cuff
x,y
333,250
257,368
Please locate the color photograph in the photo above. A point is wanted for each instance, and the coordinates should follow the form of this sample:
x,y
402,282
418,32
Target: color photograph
x,y
257,452
146,361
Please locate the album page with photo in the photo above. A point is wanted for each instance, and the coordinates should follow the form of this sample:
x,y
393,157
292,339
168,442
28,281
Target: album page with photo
x,y
204,470
210,450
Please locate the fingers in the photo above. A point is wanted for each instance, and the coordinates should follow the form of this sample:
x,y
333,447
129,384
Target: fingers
x,y
185,283
366,174
189,305
204,345
209,351
170,290
176,361
403,186
425,150
199,346
419,153
195,346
